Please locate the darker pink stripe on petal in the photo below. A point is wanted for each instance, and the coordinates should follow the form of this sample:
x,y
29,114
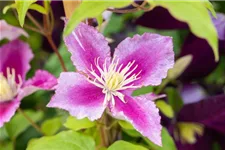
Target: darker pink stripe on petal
x,y
86,45
16,54
76,95
142,114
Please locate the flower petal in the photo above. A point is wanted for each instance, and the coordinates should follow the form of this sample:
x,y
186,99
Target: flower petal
x,y
16,54
198,68
86,45
142,113
7,110
219,23
10,32
42,80
76,95
192,93
152,53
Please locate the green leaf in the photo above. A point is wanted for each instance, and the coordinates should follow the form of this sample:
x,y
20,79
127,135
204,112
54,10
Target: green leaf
x,y
51,126
123,145
38,8
165,108
18,123
22,7
143,90
218,75
167,142
6,8
209,5
47,5
6,146
3,134
114,25
99,20
132,132
196,15
52,64
174,99
91,9
78,124
180,65
66,140
125,124
188,131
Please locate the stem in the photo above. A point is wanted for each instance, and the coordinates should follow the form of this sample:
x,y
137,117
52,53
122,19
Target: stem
x,y
14,143
33,29
51,42
31,121
34,21
102,132
123,10
52,20
48,34
162,86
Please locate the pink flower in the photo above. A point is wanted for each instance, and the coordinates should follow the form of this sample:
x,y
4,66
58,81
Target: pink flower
x,y
10,32
138,61
15,57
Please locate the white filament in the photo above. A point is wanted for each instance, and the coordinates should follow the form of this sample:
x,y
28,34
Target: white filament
x,y
8,86
114,79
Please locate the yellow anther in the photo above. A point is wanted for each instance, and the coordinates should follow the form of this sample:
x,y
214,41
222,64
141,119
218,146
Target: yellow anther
x,y
114,78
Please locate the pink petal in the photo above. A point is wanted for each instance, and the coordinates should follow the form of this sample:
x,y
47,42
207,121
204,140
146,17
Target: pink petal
x,y
76,95
152,53
86,45
10,32
42,80
16,54
7,110
142,113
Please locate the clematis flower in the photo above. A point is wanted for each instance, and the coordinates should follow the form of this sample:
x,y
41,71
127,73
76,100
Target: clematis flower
x,y
15,57
108,83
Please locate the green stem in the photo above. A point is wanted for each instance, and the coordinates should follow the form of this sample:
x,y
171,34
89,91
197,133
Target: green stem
x,y
162,86
31,121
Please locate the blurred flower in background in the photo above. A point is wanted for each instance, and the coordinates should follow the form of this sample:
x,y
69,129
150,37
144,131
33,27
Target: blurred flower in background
x,y
15,58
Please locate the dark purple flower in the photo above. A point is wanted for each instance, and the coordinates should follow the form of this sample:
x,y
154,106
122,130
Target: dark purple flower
x,y
160,18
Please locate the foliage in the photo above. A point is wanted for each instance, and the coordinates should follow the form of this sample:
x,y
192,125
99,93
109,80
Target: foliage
x,y
78,124
19,124
120,145
92,9
67,140
190,12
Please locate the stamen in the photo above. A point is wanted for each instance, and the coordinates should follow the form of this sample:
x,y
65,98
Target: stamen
x,y
113,78
9,88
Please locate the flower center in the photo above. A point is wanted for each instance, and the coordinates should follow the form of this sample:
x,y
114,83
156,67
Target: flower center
x,y
114,78
8,86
